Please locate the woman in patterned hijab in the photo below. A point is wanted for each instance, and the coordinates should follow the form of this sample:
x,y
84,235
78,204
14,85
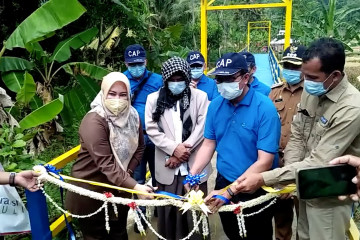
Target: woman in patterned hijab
x,y
175,119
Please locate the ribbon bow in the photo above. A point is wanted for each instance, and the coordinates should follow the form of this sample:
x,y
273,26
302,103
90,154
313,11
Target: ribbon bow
x,y
194,179
195,198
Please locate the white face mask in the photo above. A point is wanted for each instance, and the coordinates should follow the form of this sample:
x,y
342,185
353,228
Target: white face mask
x,y
230,90
116,106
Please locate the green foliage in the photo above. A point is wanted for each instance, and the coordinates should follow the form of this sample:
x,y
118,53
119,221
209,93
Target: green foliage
x,y
28,90
13,154
51,16
85,69
42,115
55,18
332,18
14,64
62,51
13,80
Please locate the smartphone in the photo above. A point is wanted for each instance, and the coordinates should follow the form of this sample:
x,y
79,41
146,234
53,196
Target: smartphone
x,y
325,181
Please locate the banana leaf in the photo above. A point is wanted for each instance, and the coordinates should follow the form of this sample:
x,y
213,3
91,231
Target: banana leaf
x,y
86,69
35,103
62,51
51,16
14,64
36,51
42,115
28,89
76,106
89,85
13,80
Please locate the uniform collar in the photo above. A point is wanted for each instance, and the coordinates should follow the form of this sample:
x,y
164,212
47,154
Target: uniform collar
x,y
335,93
298,85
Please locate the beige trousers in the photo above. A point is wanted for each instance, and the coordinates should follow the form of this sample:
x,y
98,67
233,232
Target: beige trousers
x,y
324,219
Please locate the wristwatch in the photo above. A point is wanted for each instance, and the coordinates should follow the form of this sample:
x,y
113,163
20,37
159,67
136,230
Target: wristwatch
x,y
230,192
12,179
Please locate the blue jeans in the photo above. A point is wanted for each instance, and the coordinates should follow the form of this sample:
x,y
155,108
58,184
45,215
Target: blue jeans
x,y
148,157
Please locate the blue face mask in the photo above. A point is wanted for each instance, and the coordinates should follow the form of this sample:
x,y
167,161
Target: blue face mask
x,y
137,71
230,90
177,87
292,77
316,88
196,73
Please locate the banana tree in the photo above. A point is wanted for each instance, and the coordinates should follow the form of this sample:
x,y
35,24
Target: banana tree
x,y
332,18
43,23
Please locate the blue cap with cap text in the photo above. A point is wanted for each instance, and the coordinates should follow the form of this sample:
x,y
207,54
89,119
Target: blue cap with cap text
x,y
195,57
229,64
135,54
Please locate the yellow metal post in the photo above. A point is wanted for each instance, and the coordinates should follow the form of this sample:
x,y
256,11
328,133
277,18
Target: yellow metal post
x,y
211,2
65,158
269,40
248,37
203,33
57,226
288,19
247,6
208,6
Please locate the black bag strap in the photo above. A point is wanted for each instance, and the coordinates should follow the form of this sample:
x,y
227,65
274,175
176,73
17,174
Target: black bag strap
x,y
139,87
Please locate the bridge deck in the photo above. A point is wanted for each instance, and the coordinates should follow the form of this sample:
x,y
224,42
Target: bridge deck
x,y
263,72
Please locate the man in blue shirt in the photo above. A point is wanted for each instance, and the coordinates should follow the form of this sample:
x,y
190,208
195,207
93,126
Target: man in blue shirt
x,y
254,81
198,79
244,128
143,82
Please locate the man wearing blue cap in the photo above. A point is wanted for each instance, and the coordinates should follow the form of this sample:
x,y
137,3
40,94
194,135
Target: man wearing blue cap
x,y
254,81
198,79
244,128
143,82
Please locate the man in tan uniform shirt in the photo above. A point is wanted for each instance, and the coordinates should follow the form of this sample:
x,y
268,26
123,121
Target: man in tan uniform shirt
x,y
326,126
286,96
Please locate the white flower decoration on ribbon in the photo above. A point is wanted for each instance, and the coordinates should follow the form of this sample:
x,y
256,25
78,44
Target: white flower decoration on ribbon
x,y
195,198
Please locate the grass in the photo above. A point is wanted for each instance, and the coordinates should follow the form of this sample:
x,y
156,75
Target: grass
x,y
353,72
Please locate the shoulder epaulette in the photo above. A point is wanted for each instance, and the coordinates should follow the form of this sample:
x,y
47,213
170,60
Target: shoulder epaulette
x,y
277,85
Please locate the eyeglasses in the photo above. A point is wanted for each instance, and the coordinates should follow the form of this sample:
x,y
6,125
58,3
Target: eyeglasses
x,y
136,64
227,79
196,66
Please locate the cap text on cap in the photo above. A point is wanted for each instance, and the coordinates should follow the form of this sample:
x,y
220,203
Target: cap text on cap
x,y
134,53
194,56
222,63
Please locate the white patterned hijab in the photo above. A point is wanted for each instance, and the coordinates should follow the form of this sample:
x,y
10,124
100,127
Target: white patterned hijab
x,y
124,128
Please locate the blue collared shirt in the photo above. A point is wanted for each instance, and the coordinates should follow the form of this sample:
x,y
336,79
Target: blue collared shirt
x,y
240,131
153,84
260,86
208,85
